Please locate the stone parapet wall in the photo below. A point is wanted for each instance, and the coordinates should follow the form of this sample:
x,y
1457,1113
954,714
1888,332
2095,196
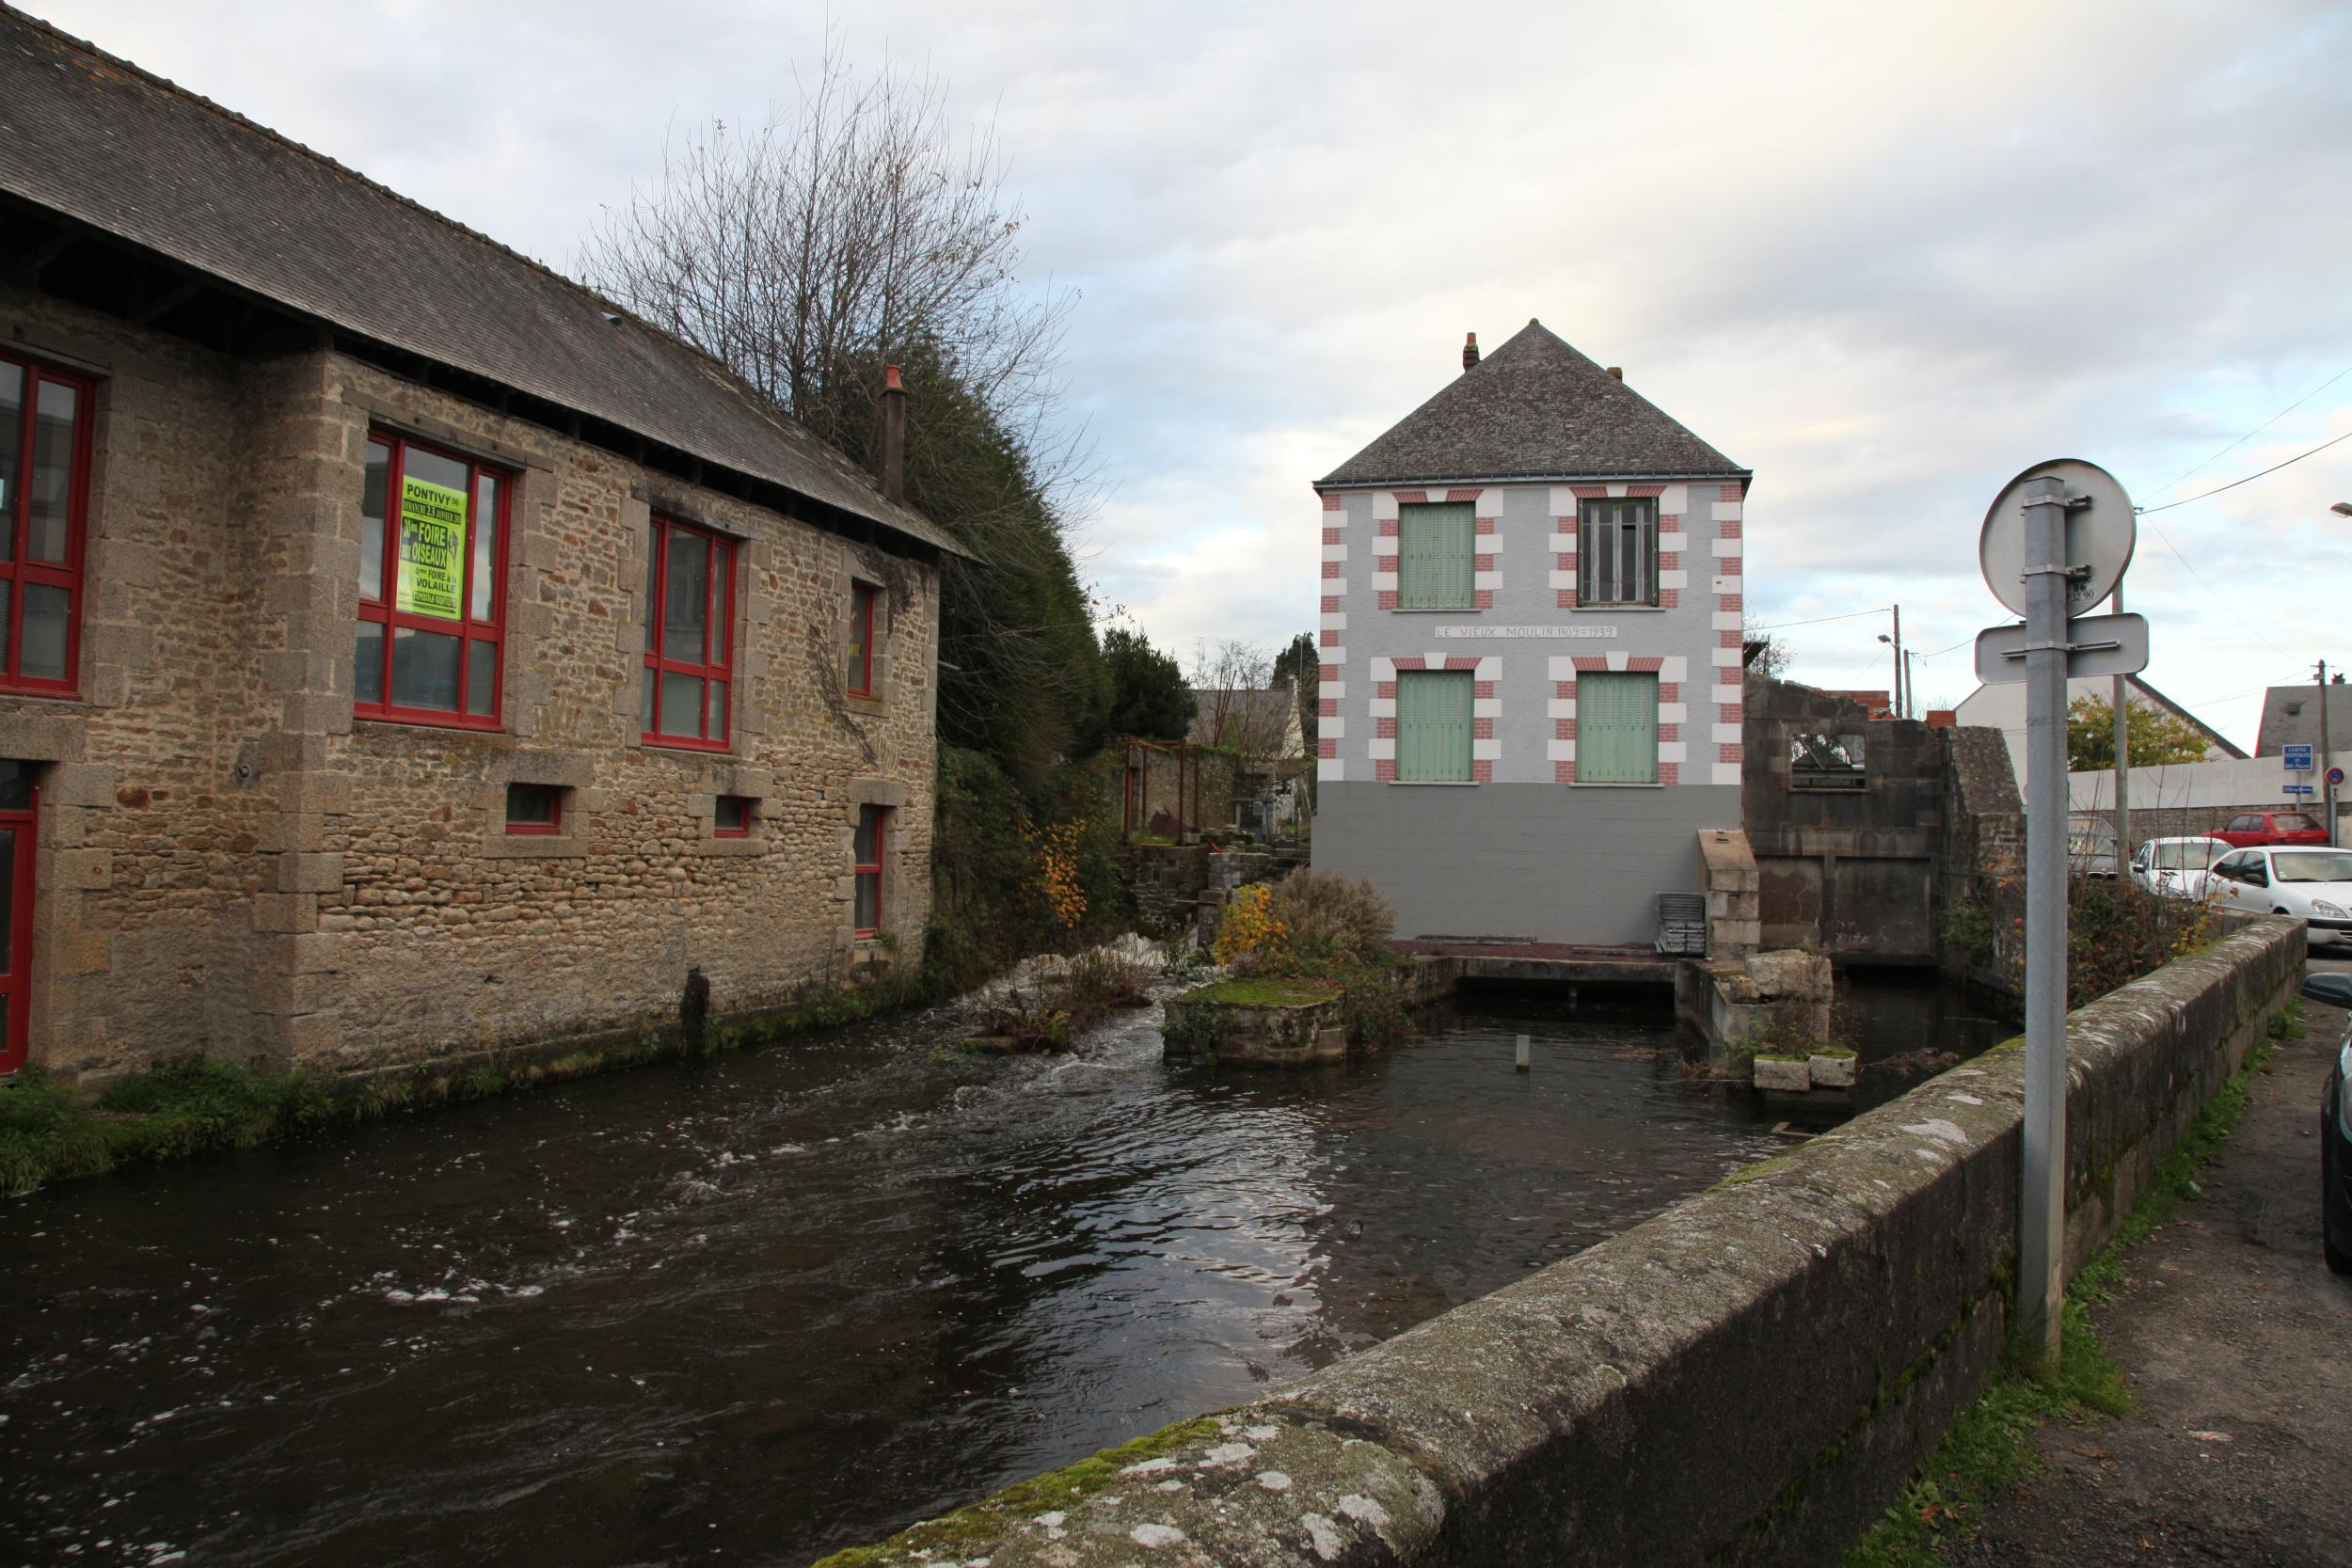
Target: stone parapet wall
x,y
1746,1379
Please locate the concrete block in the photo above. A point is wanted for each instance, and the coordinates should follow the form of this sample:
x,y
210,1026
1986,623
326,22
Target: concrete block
x,y
310,872
285,911
1789,974
1831,1072
89,869
1788,1074
80,784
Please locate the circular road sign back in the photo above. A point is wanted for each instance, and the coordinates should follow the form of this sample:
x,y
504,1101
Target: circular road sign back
x,y
2099,536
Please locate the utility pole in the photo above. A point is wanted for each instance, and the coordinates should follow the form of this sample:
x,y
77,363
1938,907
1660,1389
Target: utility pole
x,y
2122,764
1899,661
2326,761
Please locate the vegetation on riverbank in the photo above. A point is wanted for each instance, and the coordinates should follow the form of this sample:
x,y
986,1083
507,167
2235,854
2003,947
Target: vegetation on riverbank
x,y
1988,1452
1325,931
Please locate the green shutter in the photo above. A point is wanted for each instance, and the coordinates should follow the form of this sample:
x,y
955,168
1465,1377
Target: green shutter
x,y
1435,563
1616,729
1433,725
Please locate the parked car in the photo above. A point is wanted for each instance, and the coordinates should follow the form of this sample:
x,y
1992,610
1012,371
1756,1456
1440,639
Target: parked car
x,y
2335,1164
2176,867
2272,827
2091,847
2314,884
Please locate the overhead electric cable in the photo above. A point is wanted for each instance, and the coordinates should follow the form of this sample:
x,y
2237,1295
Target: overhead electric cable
x,y
2149,511
1819,619
2265,424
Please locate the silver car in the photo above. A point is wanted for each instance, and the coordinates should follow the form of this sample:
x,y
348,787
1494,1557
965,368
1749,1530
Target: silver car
x,y
2176,867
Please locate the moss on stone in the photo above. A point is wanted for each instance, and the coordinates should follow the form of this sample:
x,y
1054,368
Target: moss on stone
x,y
1263,994
984,1523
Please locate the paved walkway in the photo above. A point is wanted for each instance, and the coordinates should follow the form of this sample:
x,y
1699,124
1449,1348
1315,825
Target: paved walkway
x,y
2238,1343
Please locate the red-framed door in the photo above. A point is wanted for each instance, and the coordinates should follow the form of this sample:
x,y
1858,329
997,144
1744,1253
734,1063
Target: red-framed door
x,y
18,802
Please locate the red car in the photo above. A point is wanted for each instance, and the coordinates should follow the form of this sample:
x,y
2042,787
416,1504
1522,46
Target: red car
x,y
2272,827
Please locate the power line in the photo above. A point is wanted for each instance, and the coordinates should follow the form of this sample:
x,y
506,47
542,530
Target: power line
x,y
1818,620
2265,424
2147,510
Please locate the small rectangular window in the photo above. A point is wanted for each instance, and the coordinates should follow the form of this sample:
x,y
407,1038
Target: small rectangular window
x,y
1436,559
535,809
1616,557
431,587
1434,725
861,649
872,829
690,637
732,817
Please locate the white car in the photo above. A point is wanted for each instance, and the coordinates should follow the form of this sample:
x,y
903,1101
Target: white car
x,y
2308,880
2175,867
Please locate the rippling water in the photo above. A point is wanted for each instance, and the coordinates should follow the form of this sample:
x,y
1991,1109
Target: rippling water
x,y
784,1301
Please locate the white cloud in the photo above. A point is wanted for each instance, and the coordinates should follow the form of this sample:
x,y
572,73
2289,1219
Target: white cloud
x,y
1885,256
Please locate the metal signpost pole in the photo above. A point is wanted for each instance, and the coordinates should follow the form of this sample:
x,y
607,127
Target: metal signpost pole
x,y
2122,764
2041,1245
2327,762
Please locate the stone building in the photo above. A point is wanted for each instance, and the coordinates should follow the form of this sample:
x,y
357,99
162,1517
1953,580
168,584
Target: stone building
x,y
1529,702
406,651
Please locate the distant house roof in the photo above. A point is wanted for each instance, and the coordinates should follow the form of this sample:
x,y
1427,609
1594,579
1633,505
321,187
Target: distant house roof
x,y
1534,409
151,165
1265,719
2291,718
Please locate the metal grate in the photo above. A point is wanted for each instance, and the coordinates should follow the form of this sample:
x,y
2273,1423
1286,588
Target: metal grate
x,y
1683,924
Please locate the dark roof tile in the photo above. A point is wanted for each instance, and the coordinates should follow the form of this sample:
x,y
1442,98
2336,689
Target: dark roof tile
x,y
129,155
1534,408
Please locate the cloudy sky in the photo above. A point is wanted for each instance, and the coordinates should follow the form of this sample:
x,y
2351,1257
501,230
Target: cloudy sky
x,y
1884,255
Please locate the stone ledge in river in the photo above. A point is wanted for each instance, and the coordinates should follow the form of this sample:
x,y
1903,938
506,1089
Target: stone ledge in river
x,y
1257,1023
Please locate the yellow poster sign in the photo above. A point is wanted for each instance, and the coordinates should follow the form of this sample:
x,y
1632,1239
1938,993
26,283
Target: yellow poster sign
x,y
432,549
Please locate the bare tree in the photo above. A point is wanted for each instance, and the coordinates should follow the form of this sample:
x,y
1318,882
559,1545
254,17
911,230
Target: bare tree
x,y
853,229
837,238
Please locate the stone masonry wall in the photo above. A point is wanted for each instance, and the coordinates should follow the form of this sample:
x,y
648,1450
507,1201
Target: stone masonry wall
x,y
231,863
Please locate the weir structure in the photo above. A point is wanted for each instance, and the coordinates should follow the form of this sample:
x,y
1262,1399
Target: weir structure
x,y
1871,1270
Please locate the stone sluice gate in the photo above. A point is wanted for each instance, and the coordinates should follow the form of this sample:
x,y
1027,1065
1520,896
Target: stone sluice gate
x,y
1586,1414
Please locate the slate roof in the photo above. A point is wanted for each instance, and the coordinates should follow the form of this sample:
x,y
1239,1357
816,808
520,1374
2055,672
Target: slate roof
x,y
125,152
2280,727
1534,408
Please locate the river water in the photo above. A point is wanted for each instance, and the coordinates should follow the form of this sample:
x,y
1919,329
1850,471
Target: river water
x,y
760,1307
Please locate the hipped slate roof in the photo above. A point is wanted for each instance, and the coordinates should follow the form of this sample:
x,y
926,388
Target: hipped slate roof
x,y
1534,408
129,155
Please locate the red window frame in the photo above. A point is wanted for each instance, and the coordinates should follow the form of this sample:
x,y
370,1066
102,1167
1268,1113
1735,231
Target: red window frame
x,y
468,630
862,598
717,666
17,571
552,794
16,965
870,869
743,829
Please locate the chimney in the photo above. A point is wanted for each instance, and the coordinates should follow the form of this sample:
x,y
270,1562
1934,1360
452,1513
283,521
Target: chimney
x,y
1617,370
893,435
1469,352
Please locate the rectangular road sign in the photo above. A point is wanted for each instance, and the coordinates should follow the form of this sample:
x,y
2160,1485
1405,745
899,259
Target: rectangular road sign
x,y
2096,646
2298,789
2297,759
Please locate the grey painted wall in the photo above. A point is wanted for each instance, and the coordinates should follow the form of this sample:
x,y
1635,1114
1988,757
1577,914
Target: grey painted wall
x,y
1526,595
1543,863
